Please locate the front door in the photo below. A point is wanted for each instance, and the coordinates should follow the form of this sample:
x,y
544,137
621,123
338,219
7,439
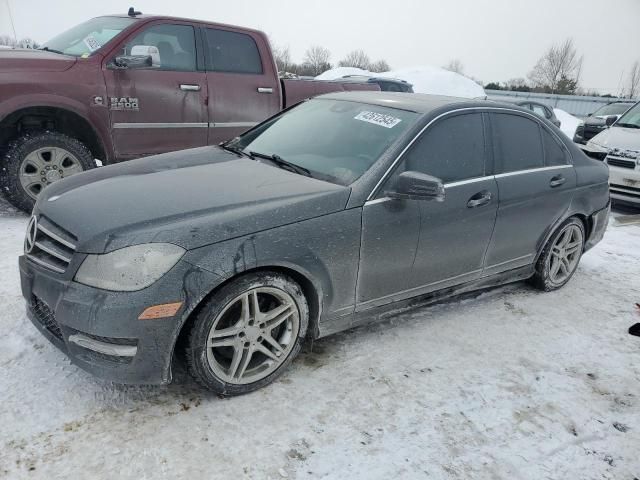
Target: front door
x,y
536,182
244,88
161,108
411,247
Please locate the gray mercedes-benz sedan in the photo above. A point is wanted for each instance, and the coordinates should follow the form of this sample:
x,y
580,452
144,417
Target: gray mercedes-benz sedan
x,y
321,218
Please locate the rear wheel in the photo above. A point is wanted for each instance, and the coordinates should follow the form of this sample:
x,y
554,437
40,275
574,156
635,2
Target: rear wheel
x,y
33,161
247,333
560,257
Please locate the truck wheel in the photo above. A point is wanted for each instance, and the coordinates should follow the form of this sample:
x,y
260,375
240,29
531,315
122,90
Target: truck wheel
x,y
35,160
247,333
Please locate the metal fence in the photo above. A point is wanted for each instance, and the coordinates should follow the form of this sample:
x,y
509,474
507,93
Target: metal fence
x,y
575,105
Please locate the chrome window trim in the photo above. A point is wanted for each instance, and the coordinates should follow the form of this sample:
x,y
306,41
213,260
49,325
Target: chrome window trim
x,y
468,181
531,170
531,115
161,125
232,124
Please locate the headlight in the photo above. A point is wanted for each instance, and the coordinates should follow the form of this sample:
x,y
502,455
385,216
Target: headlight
x,y
129,269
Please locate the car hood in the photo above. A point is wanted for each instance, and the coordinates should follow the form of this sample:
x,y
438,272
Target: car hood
x,y
618,137
29,60
189,198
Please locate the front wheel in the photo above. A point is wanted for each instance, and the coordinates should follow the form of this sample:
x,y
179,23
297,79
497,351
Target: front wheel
x,y
247,333
33,161
560,257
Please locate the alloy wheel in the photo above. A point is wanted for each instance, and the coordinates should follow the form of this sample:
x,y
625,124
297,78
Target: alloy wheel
x,y
565,254
253,335
45,166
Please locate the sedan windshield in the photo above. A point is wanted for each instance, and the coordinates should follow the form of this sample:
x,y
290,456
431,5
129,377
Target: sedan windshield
x,y
631,119
84,39
612,109
334,140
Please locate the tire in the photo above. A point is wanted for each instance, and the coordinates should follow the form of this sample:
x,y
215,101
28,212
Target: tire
x,y
31,159
547,276
236,363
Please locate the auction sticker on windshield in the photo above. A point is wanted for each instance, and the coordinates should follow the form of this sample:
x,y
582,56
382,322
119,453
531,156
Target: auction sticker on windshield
x,y
91,43
380,119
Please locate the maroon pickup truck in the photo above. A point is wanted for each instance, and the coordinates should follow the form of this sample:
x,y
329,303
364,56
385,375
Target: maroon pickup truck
x,y
125,86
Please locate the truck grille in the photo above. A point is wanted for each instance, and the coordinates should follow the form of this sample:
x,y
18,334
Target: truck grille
x,y
619,162
49,245
45,316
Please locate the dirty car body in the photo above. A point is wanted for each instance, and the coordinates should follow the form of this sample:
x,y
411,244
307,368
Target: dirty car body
x,y
373,214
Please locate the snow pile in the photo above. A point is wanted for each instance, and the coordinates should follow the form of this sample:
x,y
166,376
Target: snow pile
x,y
568,123
425,79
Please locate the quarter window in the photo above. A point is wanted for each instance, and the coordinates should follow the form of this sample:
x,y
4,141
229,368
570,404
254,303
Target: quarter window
x,y
517,143
175,43
232,52
453,149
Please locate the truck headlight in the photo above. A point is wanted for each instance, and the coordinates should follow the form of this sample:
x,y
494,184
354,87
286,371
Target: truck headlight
x,y
130,268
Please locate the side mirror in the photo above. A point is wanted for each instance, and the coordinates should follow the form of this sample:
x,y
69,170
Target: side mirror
x,y
611,120
589,114
142,56
417,186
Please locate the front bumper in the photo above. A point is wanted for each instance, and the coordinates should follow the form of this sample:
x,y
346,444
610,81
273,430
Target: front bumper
x,y
624,184
100,331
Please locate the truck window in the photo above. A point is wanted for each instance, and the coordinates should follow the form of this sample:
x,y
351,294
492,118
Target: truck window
x,y
232,52
176,45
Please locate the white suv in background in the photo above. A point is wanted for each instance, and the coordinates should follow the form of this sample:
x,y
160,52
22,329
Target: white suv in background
x,y
619,147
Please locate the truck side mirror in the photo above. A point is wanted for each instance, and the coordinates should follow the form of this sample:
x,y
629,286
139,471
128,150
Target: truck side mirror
x,y
417,186
142,56
611,120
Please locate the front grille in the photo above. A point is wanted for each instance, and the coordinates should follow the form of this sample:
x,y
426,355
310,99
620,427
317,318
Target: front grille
x,y
623,189
49,245
45,316
619,162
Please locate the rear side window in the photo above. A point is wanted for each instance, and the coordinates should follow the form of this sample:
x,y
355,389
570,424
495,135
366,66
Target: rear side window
x,y
175,43
451,150
554,153
517,143
232,52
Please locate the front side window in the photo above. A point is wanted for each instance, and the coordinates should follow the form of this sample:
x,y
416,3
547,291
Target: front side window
x,y
336,140
84,39
175,43
452,149
232,52
517,143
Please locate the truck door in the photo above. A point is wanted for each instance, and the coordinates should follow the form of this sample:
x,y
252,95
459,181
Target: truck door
x,y
244,88
160,108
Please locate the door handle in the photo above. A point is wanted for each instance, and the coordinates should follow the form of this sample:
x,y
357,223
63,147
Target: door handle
x,y
479,199
557,181
265,90
187,87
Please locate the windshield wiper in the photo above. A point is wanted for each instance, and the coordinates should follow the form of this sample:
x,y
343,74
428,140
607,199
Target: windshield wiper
x,y
627,125
236,150
282,163
52,50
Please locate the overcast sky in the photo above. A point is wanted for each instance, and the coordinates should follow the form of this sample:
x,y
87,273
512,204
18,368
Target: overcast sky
x,y
494,39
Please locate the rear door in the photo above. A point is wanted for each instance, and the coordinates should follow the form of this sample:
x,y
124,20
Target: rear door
x,y
161,108
536,182
244,88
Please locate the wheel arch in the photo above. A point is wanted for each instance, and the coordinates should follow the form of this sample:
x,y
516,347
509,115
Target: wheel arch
x,y
56,118
587,223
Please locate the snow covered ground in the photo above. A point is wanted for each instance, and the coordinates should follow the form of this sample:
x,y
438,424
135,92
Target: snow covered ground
x,y
513,384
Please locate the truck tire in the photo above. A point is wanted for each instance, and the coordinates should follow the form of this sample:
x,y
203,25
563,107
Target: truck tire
x,y
35,160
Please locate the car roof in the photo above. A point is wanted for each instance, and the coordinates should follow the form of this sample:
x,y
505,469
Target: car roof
x,y
414,102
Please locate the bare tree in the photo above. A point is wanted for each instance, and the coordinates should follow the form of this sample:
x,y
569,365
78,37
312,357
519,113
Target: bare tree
x,y
379,66
7,41
27,42
317,58
282,56
558,70
634,80
357,59
456,66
